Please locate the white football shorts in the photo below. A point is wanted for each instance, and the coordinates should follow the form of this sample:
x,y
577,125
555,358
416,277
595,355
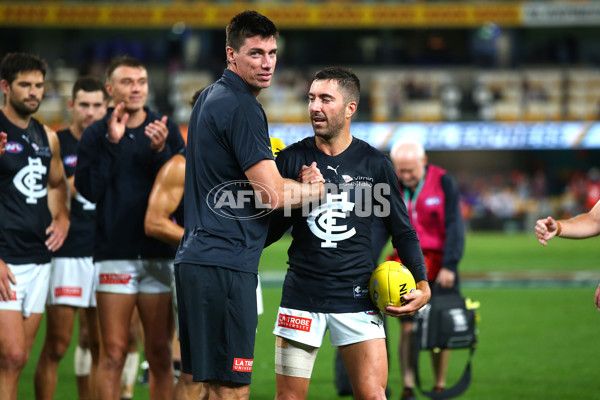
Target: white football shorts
x,y
31,290
135,276
344,328
73,282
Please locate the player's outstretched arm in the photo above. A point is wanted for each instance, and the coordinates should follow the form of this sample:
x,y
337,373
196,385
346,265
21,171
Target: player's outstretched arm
x,y
3,139
545,229
416,300
282,192
58,197
579,227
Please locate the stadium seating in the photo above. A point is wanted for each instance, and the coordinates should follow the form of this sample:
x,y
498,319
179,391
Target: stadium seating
x,y
416,95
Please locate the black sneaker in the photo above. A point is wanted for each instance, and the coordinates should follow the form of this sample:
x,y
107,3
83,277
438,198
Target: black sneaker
x,y
408,394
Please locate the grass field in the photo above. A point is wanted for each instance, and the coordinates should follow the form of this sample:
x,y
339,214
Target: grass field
x,y
535,342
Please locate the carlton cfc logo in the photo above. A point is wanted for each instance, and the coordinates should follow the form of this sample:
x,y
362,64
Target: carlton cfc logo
x,y
14,147
29,179
322,221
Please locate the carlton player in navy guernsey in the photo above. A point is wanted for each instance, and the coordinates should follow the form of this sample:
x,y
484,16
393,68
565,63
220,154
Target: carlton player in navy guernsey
x,y
330,258
33,212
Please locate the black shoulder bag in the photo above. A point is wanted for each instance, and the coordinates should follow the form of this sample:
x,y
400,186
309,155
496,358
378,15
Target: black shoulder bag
x,y
446,322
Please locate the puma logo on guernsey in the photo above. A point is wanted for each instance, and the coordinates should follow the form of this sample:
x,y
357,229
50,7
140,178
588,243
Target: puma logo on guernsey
x,y
333,169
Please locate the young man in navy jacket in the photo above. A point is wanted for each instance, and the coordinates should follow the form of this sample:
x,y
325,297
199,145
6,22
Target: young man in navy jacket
x,y
118,159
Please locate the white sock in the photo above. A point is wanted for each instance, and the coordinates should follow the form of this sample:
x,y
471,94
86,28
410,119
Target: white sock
x,y
130,369
82,361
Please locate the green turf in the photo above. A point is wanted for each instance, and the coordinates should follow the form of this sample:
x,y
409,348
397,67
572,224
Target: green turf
x,y
519,252
534,343
495,252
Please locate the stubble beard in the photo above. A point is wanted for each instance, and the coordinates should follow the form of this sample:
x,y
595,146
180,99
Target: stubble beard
x,y
21,109
328,134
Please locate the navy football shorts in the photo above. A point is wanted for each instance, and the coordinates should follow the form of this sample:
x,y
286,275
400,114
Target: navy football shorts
x,y
217,322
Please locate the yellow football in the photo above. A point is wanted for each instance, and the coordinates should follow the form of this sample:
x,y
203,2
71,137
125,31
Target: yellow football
x,y
276,146
389,282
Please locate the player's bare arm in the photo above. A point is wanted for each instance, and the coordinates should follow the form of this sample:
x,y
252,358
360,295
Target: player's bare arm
x,y
157,131
3,139
117,123
579,227
58,196
164,199
416,300
282,190
6,276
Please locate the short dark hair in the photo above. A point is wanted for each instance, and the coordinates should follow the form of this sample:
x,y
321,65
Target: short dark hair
x,y
89,84
15,63
197,94
248,24
347,81
121,61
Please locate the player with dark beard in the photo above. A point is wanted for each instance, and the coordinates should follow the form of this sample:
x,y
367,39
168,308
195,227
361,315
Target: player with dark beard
x,y
33,211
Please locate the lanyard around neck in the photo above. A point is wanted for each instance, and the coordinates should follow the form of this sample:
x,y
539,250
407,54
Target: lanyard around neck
x,y
411,202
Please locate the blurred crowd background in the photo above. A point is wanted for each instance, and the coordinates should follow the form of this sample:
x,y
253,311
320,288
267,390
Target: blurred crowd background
x,y
430,62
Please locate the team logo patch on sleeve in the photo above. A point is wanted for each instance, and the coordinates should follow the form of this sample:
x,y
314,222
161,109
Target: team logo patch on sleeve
x,y
296,323
242,364
67,291
115,279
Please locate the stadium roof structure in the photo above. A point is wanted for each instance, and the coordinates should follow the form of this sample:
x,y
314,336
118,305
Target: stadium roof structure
x,y
299,14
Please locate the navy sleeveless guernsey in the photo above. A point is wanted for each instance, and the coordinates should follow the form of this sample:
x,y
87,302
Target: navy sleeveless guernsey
x,y
80,240
24,213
